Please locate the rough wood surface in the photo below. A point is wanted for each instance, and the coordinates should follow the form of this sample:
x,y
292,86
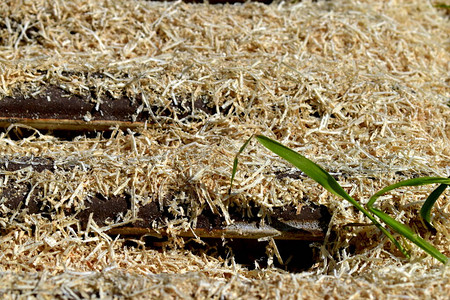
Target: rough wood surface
x,y
59,110
309,223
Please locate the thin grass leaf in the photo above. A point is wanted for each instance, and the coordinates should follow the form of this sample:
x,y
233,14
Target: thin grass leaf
x,y
329,183
410,235
306,166
409,182
236,162
425,211
442,5
401,228
311,169
322,177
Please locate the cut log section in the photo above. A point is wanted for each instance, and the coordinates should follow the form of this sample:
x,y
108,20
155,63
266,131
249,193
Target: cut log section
x,y
309,223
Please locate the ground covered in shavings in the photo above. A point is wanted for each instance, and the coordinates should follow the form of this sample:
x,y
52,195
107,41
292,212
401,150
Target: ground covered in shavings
x,y
362,88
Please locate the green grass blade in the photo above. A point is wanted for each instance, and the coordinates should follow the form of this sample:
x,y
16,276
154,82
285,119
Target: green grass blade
x,y
442,5
323,178
401,228
306,166
410,235
425,211
409,182
236,162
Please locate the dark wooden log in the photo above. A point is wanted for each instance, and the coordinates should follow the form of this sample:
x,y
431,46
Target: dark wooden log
x,y
310,223
56,109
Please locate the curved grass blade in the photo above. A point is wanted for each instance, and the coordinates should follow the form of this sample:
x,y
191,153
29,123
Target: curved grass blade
x,y
306,166
425,211
409,182
329,183
410,235
236,162
324,179
401,228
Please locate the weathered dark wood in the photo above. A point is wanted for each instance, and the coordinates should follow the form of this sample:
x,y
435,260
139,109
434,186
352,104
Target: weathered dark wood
x,y
56,109
310,223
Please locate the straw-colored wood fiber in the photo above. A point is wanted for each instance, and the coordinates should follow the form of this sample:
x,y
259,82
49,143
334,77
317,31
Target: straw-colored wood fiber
x,y
360,87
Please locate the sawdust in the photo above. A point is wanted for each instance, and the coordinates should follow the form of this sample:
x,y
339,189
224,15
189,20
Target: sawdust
x,y
361,88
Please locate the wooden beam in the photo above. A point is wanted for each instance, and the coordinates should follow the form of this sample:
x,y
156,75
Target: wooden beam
x,y
309,223
56,109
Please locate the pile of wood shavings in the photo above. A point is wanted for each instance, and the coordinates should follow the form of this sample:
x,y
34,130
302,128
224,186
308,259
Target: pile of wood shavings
x,y
361,88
